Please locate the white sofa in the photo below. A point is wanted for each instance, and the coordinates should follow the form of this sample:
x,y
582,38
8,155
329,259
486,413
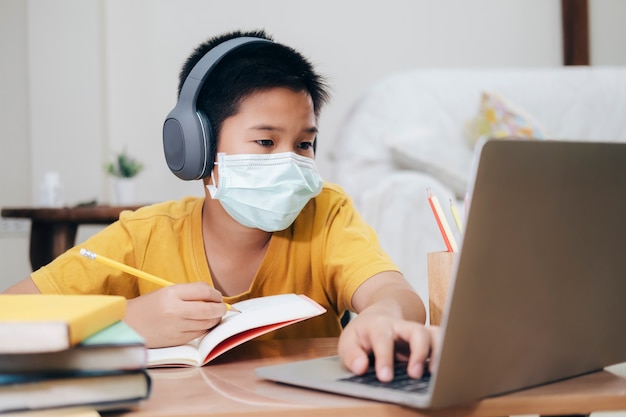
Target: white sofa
x,y
406,134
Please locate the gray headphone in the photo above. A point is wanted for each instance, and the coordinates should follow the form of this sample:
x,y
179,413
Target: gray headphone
x,y
187,130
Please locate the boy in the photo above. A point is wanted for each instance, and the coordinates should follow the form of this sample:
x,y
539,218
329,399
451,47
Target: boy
x,y
267,225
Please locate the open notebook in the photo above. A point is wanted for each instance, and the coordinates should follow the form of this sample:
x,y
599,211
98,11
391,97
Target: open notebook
x,y
537,293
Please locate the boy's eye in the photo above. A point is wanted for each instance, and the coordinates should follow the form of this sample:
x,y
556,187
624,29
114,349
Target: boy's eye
x,y
305,145
265,142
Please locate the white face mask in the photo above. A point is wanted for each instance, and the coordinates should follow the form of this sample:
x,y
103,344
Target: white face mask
x,y
265,191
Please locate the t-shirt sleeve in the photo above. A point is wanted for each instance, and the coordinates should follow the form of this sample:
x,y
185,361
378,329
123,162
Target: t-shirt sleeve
x,y
352,252
72,273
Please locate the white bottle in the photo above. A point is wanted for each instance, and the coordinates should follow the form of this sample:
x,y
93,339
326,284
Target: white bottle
x,y
51,192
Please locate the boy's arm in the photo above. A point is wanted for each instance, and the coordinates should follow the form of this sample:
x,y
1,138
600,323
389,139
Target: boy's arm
x,y
389,324
25,286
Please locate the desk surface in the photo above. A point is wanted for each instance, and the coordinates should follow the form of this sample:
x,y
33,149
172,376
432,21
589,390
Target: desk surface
x,y
229,387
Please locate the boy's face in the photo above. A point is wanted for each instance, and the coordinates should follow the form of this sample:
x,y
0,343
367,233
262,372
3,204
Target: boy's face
x,y
271,121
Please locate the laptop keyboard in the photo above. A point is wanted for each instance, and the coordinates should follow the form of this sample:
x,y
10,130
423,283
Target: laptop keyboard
x,y
401,380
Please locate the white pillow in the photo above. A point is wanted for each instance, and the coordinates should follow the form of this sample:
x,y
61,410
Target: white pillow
x,y
423,150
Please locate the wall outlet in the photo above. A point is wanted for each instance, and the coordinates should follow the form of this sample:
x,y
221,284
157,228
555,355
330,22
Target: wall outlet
x,y
12,227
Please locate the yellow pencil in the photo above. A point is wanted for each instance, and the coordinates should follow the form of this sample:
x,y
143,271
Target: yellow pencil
x,y
456,216
133,271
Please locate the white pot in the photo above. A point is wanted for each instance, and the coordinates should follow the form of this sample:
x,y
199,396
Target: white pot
x,y
125,191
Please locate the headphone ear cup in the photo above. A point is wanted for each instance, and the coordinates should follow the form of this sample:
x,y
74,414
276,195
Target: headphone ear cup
x,y
185,137
187,142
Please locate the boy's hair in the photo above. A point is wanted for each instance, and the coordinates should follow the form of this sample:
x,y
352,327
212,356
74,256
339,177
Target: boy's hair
x,y
248,70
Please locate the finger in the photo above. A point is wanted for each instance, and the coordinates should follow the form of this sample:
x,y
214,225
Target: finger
x,y
435,342
203,311
198,301
421,349
173,304
419,340
190,335
197,291
352,352
383,348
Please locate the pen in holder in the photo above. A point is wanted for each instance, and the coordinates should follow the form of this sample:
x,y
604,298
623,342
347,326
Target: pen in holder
x,y
439,270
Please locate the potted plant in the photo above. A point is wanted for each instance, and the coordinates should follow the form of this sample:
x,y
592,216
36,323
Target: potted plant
x,y
124,169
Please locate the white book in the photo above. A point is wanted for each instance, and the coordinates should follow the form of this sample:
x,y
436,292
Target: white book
x,y
257,316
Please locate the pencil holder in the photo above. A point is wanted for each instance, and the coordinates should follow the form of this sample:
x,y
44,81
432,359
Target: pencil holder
x,y
440,266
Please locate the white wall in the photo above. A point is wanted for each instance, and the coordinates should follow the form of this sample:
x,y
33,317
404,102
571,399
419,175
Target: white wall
x,y
84,78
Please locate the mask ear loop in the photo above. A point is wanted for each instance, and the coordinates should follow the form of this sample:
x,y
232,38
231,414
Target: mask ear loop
x,y
212,187
215,164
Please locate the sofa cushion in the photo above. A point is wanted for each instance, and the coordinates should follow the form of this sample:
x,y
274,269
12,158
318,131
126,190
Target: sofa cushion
x,y
416,119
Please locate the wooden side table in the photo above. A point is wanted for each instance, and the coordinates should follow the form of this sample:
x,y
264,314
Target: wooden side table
x,y
53,230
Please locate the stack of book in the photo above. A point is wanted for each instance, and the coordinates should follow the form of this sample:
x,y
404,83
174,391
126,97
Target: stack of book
x,y
69,351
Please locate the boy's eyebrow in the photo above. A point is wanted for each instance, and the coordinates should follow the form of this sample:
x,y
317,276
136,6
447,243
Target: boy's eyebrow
x,y
269,128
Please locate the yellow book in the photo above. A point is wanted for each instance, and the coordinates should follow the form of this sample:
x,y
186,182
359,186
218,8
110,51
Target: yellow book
x,y
31,323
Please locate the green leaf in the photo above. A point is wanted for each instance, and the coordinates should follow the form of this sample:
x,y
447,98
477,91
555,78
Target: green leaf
x,y
124,166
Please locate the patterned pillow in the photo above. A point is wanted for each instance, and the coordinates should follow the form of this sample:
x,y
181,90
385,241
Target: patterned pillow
x,y
499,118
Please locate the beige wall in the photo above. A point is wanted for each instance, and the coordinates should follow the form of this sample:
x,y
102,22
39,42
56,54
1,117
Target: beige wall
x,y
83,78
15,150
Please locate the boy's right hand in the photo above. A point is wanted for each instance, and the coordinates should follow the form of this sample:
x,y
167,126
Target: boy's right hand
x,y
176,314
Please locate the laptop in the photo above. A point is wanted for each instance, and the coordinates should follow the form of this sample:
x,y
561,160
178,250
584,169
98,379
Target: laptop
x,y
538,293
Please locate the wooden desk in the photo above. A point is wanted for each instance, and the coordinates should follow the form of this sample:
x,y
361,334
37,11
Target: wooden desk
x,y
229,387
53,230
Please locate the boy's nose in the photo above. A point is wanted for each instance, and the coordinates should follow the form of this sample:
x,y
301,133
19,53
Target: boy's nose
x,y
283,148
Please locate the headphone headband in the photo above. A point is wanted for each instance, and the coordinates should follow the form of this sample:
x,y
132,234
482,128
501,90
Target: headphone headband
x,y
187,131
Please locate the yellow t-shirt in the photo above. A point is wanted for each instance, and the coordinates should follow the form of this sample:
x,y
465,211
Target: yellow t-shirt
x,y
326,254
